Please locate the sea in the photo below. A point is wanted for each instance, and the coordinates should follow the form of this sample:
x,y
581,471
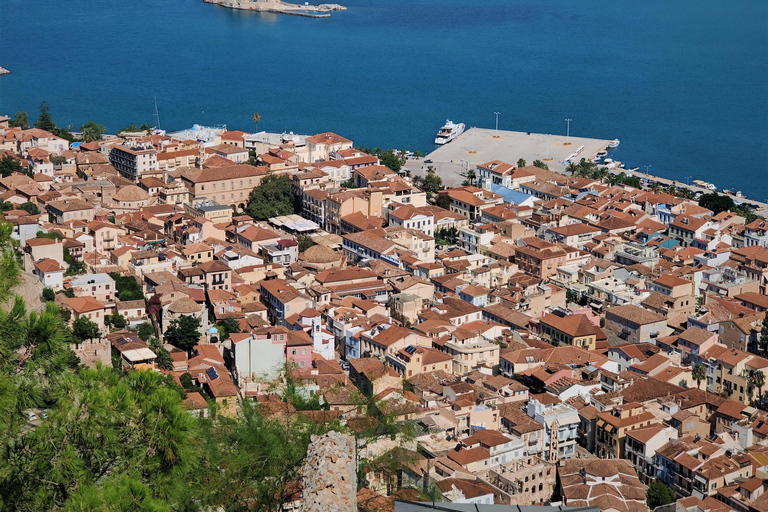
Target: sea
x,y
683,84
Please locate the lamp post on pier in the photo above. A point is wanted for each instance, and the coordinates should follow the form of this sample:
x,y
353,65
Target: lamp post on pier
x,y
497,122
568,130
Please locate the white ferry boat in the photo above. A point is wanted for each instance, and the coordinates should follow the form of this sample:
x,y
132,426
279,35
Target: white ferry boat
x,y
449,132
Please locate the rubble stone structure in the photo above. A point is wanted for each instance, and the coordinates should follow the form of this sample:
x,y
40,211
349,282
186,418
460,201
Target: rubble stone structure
x,y
329,478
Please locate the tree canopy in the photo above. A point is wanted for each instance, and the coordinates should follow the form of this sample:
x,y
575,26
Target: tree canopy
x,y
716,202
183,332
659,494
10,165
127,287
30,208
272,198
45,119
20,120
84,329
92,131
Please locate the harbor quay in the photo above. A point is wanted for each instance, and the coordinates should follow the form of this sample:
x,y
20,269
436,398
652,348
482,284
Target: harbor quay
x,y
479,145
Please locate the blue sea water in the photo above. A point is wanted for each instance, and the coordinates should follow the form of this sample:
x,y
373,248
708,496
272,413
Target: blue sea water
x,y
683,84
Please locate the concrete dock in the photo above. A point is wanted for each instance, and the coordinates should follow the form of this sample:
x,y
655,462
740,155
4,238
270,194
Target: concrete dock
x,y
479,145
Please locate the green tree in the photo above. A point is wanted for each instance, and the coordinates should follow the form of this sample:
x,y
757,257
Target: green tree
x,y
305,242
716,202
145,331
762,342
48,295
44,119
256,118
540,165
432,184
447,236
92,131
471,177
659,494
20,120
119,321
262,456
443,201
164,360
227,326
131,128
145,127
84,329
390,159
699,373
75,268
184,332
274,197
348,184
521,162
10,165
127,287
30,208
757,379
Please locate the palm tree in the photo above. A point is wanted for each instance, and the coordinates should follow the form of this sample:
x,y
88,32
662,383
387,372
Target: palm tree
x,y
698,374
757,379
571,168
521,162
256,119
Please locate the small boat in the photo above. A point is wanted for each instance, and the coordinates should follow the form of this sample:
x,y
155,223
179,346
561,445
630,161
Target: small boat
x,y
449,132
704,184
608,160
614,143
601,153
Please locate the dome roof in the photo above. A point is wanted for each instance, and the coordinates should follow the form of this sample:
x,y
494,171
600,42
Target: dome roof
x,y
320,254
131,193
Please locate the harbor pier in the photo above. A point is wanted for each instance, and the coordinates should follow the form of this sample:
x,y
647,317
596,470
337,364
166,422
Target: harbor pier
x,y
479,145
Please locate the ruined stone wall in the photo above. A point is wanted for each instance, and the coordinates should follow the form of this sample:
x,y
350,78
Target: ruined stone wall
x,y
329,476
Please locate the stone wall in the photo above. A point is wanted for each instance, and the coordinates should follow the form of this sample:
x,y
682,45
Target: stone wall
x,y
329,475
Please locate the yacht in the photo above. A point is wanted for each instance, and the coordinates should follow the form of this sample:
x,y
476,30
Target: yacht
x,y
614,143
449,132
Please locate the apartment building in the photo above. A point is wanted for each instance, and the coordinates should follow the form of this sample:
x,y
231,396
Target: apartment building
x,y
230,185
634,324
63,210
133,160
470,201
574,330
539,258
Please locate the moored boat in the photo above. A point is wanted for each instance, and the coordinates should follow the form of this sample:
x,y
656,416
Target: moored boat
x,y
449,132
614,143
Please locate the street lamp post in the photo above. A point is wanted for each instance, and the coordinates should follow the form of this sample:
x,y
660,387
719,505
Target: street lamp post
x,y
568,129
646,169
497,122
687,180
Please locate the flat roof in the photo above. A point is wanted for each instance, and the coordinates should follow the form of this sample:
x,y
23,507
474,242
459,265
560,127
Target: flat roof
x,y
139,354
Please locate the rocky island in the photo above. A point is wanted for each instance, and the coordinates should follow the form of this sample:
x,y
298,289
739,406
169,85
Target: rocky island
x,y
312,11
